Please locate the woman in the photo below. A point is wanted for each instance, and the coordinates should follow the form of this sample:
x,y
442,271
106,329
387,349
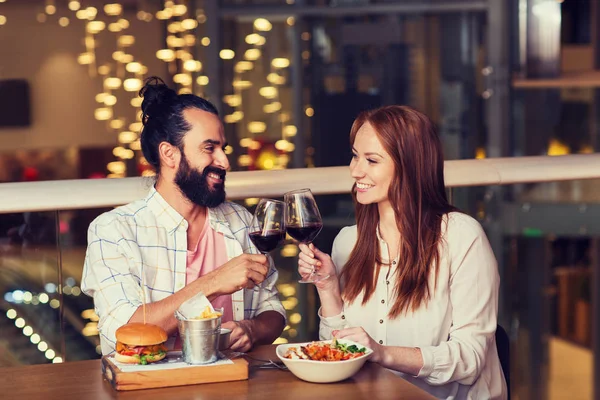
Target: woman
x,y
415,280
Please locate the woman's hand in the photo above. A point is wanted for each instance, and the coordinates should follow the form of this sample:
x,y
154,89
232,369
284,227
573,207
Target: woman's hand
x,y
312,259
359,336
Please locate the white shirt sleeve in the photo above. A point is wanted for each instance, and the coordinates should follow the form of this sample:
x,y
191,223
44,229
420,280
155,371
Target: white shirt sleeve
x,y
473,287
339,255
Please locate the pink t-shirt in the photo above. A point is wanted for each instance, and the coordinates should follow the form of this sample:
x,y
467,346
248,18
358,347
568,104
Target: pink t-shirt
x,y
209,254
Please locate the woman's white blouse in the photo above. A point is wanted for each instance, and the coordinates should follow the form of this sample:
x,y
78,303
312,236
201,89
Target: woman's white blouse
x,y
454,330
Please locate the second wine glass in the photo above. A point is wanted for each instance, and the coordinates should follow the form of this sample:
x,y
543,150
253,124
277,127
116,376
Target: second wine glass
x,y
268,225
303,222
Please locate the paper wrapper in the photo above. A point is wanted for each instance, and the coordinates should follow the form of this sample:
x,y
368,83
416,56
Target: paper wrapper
x,y
193,307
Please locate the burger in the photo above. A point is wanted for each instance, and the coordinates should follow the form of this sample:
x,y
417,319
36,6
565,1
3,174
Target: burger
x,y
139,343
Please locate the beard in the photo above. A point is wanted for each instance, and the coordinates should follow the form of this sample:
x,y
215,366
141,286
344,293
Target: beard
x,y
194,185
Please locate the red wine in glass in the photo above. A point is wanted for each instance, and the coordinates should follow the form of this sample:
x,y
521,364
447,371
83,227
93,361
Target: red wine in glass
x,y
306,233
268,225
267,241
303,222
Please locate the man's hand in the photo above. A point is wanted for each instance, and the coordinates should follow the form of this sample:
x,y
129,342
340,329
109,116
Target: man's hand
x,y
241,338
242,272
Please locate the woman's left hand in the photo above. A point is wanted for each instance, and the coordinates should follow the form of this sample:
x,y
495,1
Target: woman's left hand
x,y
359,336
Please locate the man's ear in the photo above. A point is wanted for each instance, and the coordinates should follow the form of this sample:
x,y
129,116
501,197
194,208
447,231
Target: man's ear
x,y
169,155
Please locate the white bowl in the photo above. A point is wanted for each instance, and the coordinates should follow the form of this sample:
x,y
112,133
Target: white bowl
x,y
323,371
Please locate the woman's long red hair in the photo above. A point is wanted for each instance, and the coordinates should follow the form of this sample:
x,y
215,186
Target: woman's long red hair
x,y
418,196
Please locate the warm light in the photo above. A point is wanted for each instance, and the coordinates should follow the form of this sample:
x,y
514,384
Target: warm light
x,y
290,130
253,38
290,21
113,9
281,145
226,54
63,21
480,153
234,117
137,145
586,149
112,83
244,160
44,298
190,40
134,67
95,26
114,27
266,160
268,92
28,331
182,79
275,79
233,100
164,14
91,12
85,58
202,80
132,84
116,167
42,346
251,201
254,145
50,354
192,65
41,17
281,340
50,9
309,111
126,40
228,149
205,41
19,322
239,84
166,55
116,124
103,114
35,338
179,10
257,127
295,318
57,360
74,5
174,27
305,36
189,24
242,66
118,55
557,148
104,69
252,54
272,107
81,14
174,41
110,100
136,102
183,55
280,63
262,24
11,314
245,142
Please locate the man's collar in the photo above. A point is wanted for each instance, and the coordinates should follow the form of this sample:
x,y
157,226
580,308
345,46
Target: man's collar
x,y
171,219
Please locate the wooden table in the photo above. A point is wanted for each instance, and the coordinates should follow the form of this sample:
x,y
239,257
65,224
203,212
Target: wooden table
x,y
83,380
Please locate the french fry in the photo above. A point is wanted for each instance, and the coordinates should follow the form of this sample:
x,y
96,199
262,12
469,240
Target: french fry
x,y
207,313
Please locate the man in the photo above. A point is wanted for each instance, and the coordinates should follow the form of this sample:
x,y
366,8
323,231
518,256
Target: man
x,y
183,238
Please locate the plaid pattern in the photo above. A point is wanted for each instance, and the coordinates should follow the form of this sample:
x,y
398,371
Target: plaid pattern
x,y
138,252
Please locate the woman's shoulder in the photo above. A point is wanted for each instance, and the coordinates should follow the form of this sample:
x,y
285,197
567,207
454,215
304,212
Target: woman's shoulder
x,y
347,234
460,229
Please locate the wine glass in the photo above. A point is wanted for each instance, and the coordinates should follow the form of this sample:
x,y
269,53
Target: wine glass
x,y
303,222
268,225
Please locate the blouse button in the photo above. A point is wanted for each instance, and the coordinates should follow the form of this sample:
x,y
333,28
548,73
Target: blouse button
x,y
382,301
387,282
381,321
343,317
381,342
394,262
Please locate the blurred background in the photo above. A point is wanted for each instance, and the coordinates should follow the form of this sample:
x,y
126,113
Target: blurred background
x,y
500,78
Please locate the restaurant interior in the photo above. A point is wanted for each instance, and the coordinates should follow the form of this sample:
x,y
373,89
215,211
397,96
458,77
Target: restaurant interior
x,y
500,78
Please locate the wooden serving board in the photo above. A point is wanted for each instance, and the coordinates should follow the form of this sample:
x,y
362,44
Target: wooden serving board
x,y
171,373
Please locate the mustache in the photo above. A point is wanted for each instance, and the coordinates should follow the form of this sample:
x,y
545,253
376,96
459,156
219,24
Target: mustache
x,y
218,171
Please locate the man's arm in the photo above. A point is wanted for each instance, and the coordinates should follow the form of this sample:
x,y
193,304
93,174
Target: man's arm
x,y
262,329
240,272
